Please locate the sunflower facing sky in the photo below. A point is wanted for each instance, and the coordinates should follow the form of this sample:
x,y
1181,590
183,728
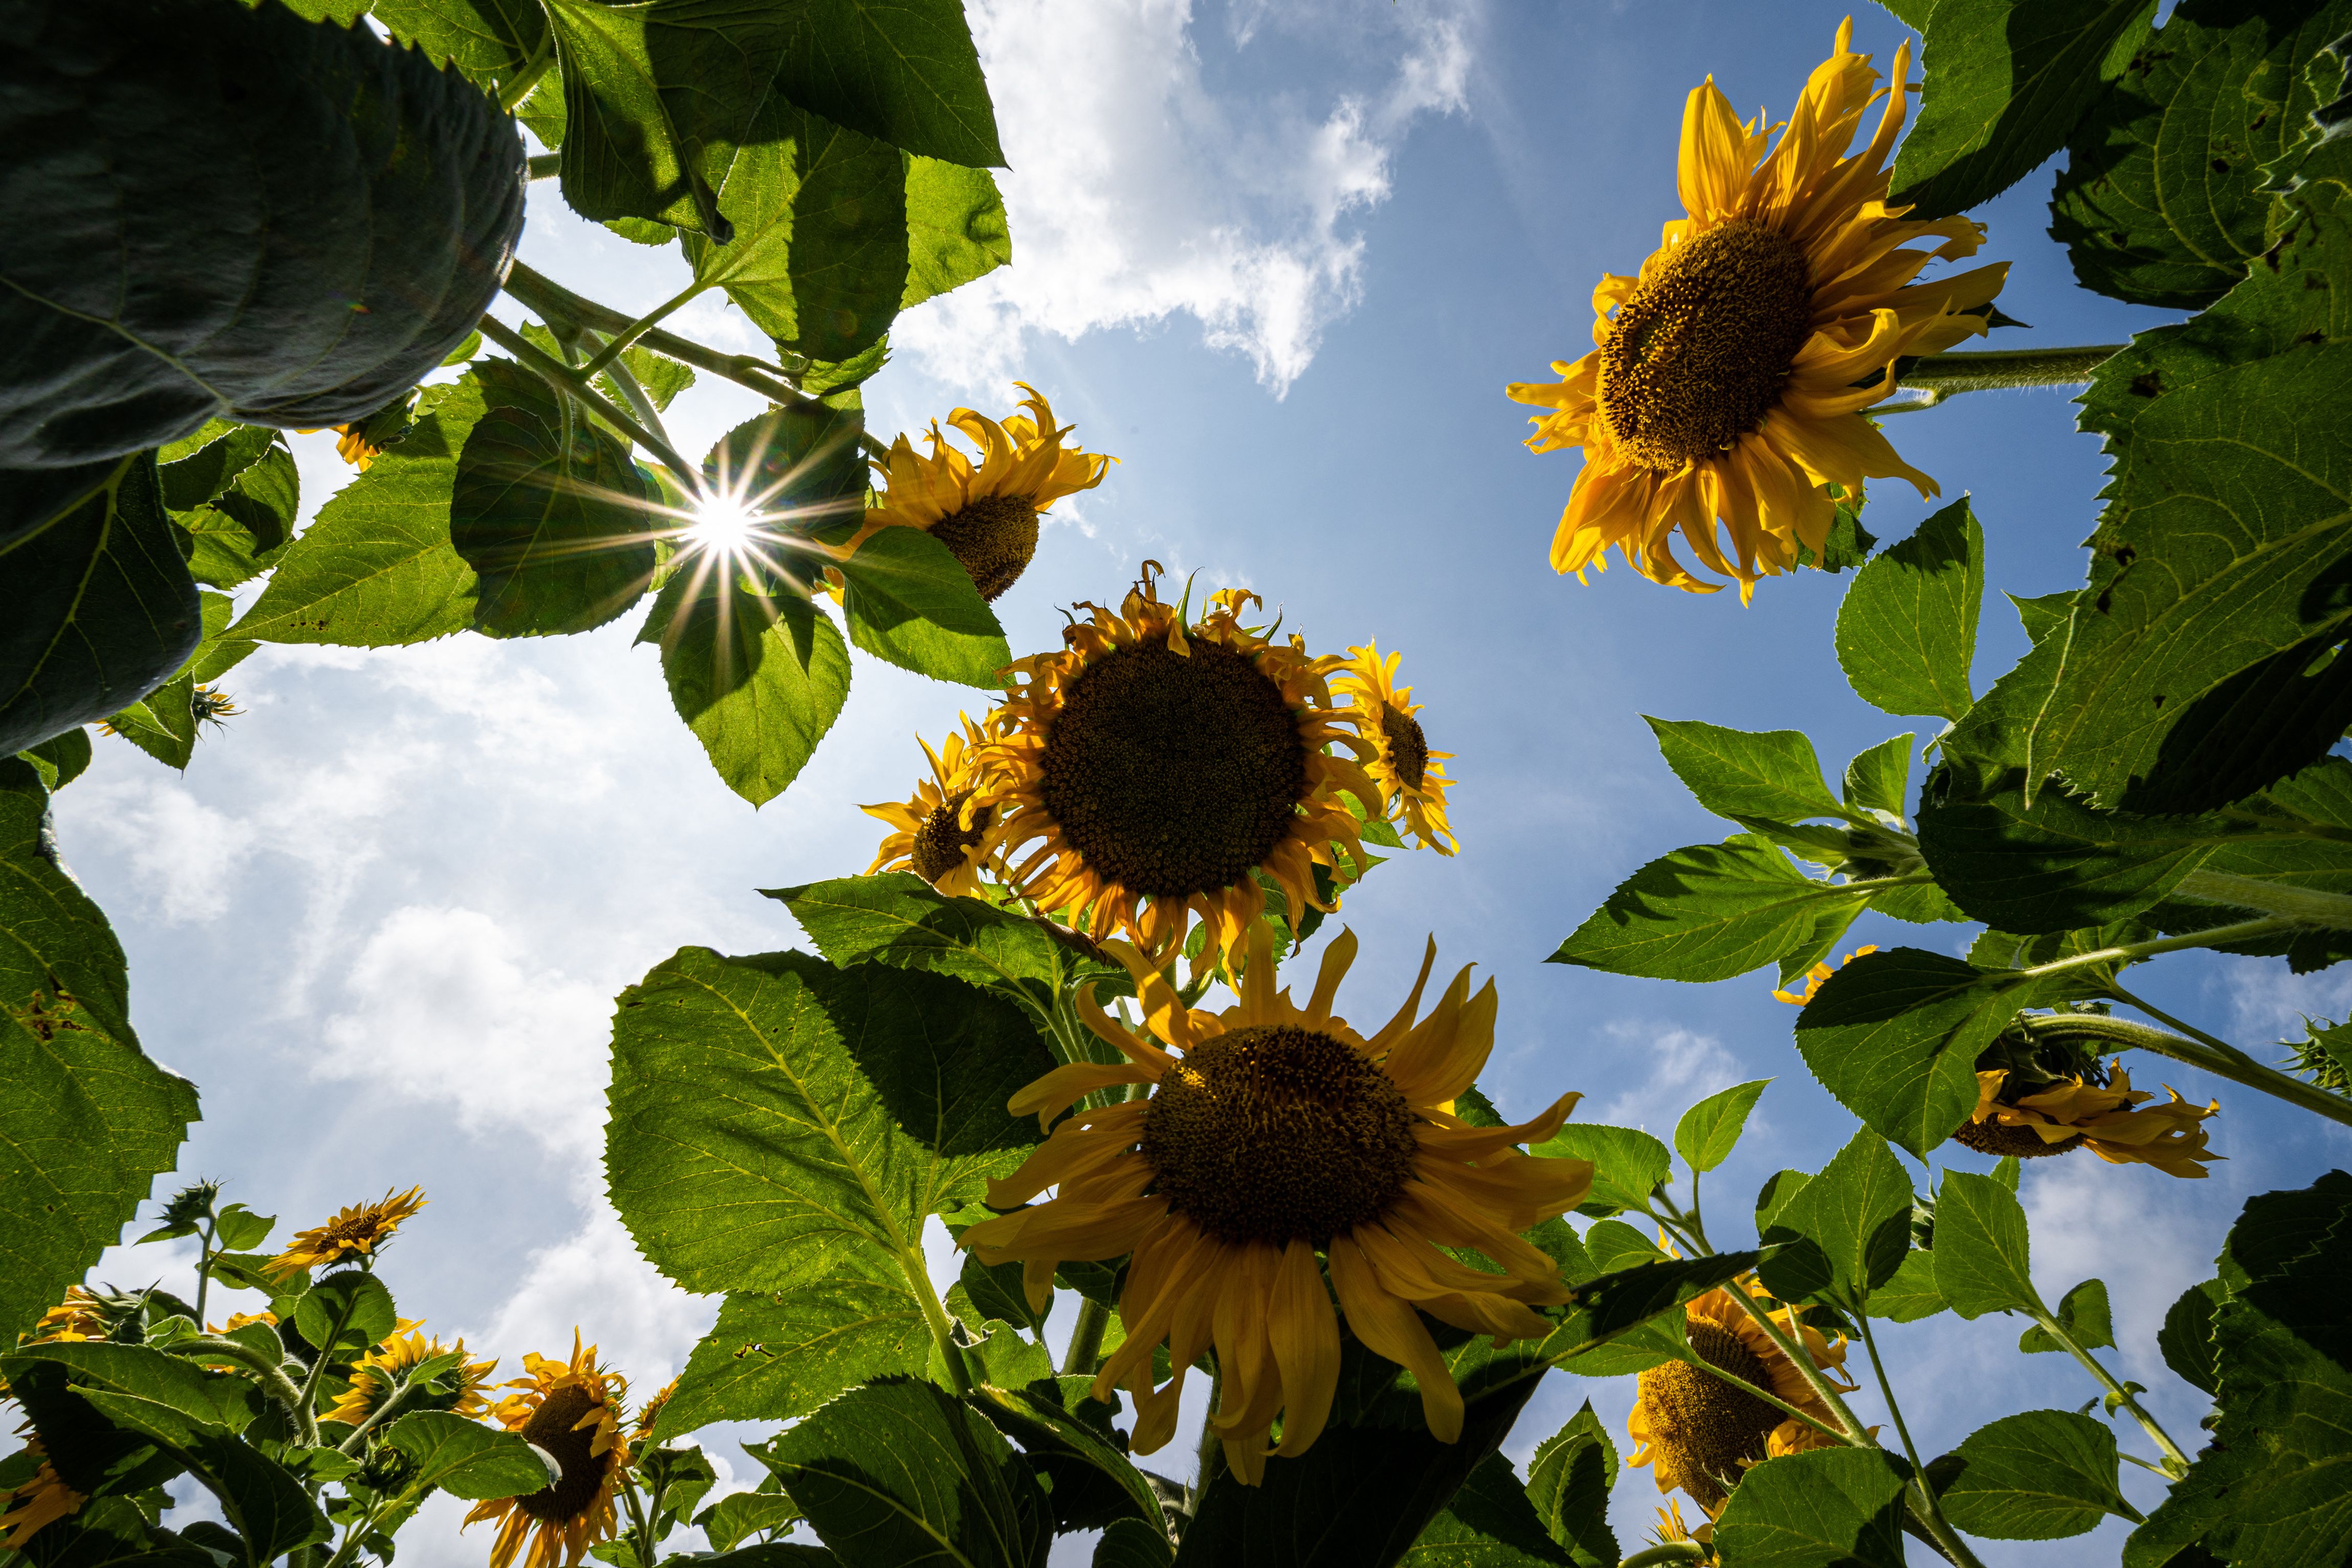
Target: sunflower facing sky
x,y
934,835
1160,768
2112,1119
1402,765
1271,1132
1699,1431
573,1410
1721,388
379,1372
985,512
354,1232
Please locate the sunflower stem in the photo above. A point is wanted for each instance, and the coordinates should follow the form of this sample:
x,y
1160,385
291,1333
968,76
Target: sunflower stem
x,y
2201,1051
1988,369
1086,1339
637,329
511,97
574,385
2116,1393
1665,1552
205,1256
1801,1359
2214,937
2303,906
392,1406
1213,1448
918,1279
1930,1512
543,165
272,1376
647,1544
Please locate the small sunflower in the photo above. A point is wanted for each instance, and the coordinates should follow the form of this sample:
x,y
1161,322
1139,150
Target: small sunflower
x,y
355,1232
1724,388
1402,765
1817,974
1672,1528
1276,1131
940,836
1162,768
80,1316
985,513
649,1414
2030,1120
1700,1432
211,705
35,1503
573,1410
377,1373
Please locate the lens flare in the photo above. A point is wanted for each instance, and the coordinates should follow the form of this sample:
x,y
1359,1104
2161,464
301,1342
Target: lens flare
x,y
721,522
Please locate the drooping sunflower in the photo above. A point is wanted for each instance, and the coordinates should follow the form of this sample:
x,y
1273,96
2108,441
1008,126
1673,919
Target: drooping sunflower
x,y
985,512
354,1232
376,1374
37,1503
1722,386
940,836
1160,768
80,1316
1817,974
1402,765
1274,1132
2112,1119
571,1409
1700,1432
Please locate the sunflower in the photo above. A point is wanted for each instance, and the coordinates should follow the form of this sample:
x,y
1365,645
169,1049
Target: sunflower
x,y
1817,974
1699,1431
1724,388
33,1504
211,705
649,1414
1402,765
1277,1132
985,513
377,1373
80,1316
239,1319
355,1232
573,1410
2079,1112
940,836
1671,1527
1162,769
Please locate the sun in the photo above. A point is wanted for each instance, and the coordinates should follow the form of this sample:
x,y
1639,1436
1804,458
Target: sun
x,y
722,522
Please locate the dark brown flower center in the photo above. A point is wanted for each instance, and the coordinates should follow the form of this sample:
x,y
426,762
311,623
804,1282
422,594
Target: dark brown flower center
x,y
1696,357
1271,1132
1174,774
993,540
940,842
555,1426
1703,1425
1408,747
1991,1139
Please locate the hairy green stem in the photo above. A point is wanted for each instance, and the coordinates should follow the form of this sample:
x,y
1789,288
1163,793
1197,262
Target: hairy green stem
x,y
511,97
918,1280
573,385
393,1403
634,393
1924,1505
2176,1463
543,166
2219,936
2303,905
205,1256
1086,1339
2201,1050
1989,370
1212,1447
644,324
271,1376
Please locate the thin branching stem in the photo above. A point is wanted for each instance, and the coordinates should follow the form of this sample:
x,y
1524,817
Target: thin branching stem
x,y
573,385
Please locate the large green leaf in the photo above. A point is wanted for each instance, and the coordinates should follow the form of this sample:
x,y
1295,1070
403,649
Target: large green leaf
x,y
1627,1163
904,71
1736,773
163,1397
87,1121
956,228
896,1474
770,1112
1489,1523
1895,1036
1072,1446
556,525
1983,1254
241,531
1832,1508
759,680
896,918
102,608
2041,1475
467,1460
2007,80
1858,1211
909,600
2162,199
1569,1481
1706,912
489,41
1908,629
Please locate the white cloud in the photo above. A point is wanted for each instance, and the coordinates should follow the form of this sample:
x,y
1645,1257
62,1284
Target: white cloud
x,y
2125,1224
182,852
2270,1003
1136,192
642,1326
1684,1068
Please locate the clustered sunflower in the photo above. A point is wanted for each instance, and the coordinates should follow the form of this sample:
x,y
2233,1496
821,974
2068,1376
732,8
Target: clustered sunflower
x,y
573,1410
382,1369
354,1232
1401,763
1727,378
1273,1132
940,835
2099,1111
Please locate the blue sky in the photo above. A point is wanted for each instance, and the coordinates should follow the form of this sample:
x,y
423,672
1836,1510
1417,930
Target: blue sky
x,y
1280,261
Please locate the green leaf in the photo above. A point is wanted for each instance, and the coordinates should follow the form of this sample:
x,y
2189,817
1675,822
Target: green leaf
x,y
347,1310
909,602
244,531
2187,1337
467,1460
1627,1164
956,229
212,467
1067,1438
898,919
60,759
758,680
1569,1481
661,378
1490,1523
2082,1313
2042,615
87,1121
240,1229
1832,1508
1816,947
2043,1475
739,1514
264,1502
1735,773
849,1316
1710,1129
1706,912
1879,780
656,97
1895,1036
490,42
1911,1294
2162,199
103,609
163,723
768,1114
2007,80
897,1472
1131,1544
995,1292
1614,1246
1982,1254
1859,1210
904,71
163,1397
1620,1302
1773,1199
558,531
1906,631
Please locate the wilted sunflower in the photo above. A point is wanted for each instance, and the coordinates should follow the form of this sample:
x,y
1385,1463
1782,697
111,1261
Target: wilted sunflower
x,y
355,1232
938,837
1817,974
33,1504
1160,768
1277,1132
1723,387
376,1374
573,1411
1402,765
2081,1112
1700,1432
985,513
